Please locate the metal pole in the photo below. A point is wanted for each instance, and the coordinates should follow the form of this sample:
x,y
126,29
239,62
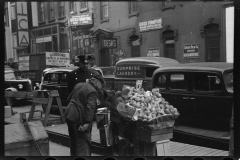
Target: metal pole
x,y
231,143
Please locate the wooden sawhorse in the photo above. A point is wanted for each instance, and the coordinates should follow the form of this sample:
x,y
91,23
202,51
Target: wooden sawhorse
x,y
39,98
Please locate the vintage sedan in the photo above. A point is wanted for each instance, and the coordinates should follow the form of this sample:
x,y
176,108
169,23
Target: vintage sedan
x,y
203,94
57,79
13,83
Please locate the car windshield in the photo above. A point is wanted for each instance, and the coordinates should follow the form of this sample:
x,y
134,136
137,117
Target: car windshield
x,y
228,78
55,77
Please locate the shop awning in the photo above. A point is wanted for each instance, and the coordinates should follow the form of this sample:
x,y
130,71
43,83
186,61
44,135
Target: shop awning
x,y
101,31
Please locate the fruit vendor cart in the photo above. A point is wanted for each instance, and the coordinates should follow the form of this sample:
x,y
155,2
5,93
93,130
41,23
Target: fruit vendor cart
x,y
141,123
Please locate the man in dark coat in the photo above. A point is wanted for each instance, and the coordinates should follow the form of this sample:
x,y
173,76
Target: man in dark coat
x,y
81,74
80,112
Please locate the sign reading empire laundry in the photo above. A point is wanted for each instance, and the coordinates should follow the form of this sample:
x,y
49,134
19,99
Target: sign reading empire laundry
x,y
57,59
151,25
83,19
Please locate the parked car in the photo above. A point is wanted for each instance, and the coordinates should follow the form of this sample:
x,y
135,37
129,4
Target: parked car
x,y
203,94
130,70
13,83
57,79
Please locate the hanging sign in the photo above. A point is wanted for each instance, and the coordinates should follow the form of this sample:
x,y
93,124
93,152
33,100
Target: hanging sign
x,y
109,42
152,24
57,59
153,52
191,51
83,19
23,63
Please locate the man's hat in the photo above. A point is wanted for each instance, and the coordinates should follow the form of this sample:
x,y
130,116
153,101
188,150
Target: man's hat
x,y
83,59
97,76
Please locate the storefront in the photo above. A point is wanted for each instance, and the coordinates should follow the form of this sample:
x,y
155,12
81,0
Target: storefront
x,y
52,38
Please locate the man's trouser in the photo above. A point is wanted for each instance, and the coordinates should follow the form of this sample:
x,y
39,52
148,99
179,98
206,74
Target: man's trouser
x,y
80,142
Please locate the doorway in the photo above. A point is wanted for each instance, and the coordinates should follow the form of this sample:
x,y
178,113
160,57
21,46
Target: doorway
x,y
104,58
212,43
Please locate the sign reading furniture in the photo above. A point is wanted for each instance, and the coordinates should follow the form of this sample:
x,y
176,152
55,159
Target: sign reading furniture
x,y
152,24
83,19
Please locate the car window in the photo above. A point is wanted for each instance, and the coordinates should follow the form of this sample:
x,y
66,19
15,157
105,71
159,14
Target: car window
x,y
228,78
9,75
161,83
150,70
51,77
64,77
178,81
206,82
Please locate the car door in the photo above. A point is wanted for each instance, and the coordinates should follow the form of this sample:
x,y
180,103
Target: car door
x,y
174,87
212,106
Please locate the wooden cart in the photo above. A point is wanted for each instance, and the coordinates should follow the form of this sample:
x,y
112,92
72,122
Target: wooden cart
x,y
138,139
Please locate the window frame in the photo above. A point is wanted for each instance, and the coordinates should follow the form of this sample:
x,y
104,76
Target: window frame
x,y
167,4
130,12
41,12
84,9
61,10
103,5
51,11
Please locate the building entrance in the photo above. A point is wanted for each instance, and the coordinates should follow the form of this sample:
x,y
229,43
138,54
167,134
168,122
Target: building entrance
x,y
104,58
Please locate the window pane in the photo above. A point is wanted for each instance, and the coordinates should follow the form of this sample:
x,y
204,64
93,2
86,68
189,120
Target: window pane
x,y
162,81
54,29
55,45
48,46
105,11
13,13
178,81
47,31
207,82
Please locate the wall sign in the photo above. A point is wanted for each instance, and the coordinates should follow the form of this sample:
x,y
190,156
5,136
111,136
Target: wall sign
x,y
152,24
57,59
129,71
83,19
153,52
109,42
23,63
191,51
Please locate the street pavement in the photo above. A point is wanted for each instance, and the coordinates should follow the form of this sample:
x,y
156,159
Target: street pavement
x,y
59,150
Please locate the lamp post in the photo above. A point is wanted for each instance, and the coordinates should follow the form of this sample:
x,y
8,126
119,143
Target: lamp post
x,y
70,34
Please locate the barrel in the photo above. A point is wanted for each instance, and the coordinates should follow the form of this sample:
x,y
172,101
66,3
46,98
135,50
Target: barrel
x,y
18,141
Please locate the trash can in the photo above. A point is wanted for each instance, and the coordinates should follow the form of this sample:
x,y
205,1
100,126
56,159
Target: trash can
x,y
104,126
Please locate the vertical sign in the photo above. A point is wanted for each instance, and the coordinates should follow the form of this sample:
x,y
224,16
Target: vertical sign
x,y
23,63
23,37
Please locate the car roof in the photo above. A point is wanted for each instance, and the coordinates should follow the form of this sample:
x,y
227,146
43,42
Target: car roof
x,y
64,69
159,61
198,66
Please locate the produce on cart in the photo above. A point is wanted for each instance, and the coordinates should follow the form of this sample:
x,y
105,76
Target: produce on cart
x,y
146,113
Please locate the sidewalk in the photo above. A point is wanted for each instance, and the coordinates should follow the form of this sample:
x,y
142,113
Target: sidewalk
x,y
59,150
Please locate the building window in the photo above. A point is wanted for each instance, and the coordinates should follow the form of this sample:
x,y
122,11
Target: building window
x,y
167,4
104,11
42,17
83,6
51,10
13,12
72,6
61,9
133,9
169,44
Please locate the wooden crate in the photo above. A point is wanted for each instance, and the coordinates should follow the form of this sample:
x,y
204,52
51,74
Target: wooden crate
x,y
147,134
19,143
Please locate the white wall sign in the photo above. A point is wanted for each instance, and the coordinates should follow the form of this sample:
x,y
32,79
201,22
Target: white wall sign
x,y
57,59
23,38
23,63
153,52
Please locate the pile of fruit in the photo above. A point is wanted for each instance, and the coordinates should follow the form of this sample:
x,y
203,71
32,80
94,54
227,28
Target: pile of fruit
x,y
148,105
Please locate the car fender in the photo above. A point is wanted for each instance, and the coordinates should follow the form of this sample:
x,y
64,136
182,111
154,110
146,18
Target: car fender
x,y
13,90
